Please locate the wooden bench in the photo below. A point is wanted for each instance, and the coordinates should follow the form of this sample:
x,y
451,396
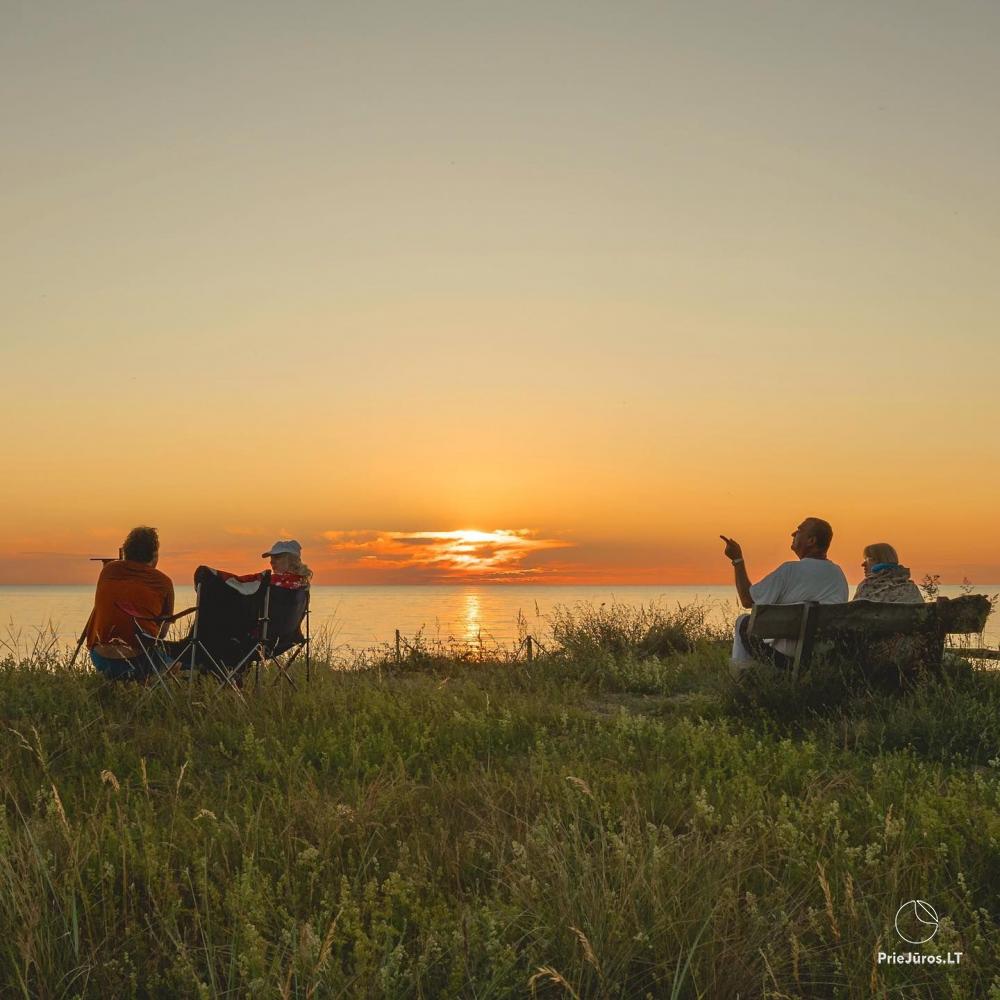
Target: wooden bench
x,y
852,625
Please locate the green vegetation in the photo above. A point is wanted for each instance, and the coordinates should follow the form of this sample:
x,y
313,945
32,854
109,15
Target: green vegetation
x,y
600,822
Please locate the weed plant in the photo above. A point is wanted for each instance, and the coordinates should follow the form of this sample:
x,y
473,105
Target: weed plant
x,y
602,822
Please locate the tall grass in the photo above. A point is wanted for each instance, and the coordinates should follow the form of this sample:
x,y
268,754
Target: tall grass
x,y
603,822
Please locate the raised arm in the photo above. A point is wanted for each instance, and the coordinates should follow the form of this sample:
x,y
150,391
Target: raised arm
x,y
734,553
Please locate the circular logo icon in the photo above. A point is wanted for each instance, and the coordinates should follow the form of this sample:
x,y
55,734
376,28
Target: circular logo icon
x,y
916,921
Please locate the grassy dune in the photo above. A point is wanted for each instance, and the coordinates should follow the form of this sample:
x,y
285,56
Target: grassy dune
x,y
610,820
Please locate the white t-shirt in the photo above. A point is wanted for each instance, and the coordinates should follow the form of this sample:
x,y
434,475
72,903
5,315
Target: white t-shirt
x,y
797,582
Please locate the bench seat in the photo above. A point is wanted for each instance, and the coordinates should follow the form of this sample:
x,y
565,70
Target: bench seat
x,y
858,621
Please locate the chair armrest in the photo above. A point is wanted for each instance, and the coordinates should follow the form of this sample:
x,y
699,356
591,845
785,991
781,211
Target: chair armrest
x,y
135,614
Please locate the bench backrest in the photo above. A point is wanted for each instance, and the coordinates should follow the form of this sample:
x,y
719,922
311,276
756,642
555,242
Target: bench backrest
x,y
962,615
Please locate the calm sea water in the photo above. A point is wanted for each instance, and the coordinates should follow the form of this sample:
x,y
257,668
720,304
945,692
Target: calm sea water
x,y
361,617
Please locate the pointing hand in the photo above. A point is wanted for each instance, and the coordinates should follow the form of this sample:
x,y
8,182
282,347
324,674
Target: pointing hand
x,y
732,550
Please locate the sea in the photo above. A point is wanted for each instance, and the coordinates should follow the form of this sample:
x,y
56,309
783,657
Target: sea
x,y
365,617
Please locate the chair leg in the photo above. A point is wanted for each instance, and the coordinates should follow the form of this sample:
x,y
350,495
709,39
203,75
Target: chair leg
x,y
284,669
157,671
227,676
283,672
228,680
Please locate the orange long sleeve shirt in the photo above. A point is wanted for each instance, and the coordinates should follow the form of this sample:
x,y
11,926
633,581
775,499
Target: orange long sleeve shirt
x,y
131,583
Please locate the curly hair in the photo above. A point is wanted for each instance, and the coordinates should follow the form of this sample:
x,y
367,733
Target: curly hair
x,y
299,567
142,544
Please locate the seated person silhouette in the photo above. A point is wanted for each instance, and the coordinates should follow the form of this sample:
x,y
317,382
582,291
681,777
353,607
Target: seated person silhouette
x,y
240,619
133,582
811,577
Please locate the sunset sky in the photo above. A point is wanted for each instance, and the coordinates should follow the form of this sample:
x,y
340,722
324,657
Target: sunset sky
x,y
532,292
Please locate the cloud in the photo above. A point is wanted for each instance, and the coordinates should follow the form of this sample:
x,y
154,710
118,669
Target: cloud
x,y
503,555
350,537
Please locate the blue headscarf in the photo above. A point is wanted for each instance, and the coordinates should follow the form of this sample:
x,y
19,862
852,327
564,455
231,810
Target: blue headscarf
x,y
881,567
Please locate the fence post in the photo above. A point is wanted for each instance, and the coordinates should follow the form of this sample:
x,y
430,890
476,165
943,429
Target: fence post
x,y
398,657
531,652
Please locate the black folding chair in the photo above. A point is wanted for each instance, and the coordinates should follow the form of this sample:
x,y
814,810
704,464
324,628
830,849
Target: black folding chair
x,y
249,623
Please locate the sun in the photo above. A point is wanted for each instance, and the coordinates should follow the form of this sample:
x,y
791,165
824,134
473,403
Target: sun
x,y
471,535
469,549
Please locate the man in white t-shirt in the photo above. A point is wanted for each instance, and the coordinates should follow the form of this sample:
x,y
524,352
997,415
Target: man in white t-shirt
x,y
811,578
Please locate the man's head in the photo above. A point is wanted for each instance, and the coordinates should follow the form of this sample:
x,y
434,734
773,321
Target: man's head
x,y
811,539
142,545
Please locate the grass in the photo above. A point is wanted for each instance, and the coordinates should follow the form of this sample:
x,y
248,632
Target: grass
x,y
604,822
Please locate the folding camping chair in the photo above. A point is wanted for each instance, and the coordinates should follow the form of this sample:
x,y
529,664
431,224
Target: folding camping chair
x,y
239,623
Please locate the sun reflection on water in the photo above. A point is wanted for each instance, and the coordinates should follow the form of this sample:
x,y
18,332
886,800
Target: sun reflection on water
x,y
472,617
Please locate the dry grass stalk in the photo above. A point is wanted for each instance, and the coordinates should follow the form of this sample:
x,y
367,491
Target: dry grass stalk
x,y
180,777
849,895
874,984
324,952
546,972
825,885
60,811
588,951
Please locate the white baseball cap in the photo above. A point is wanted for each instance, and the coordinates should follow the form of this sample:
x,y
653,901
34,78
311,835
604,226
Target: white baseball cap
x,y
290,547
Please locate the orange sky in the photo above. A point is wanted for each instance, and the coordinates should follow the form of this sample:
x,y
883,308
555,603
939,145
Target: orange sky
x,y
597,283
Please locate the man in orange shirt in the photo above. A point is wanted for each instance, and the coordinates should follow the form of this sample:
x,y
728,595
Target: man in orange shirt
x,y
136,583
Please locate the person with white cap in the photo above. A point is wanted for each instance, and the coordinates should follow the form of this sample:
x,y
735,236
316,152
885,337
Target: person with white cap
x,y
287,570
287,567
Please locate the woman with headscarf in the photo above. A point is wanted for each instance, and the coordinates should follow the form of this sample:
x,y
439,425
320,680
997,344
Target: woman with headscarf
x,y
885,580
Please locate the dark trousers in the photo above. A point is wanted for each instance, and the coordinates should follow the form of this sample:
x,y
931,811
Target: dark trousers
x,y
761,651
136,669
